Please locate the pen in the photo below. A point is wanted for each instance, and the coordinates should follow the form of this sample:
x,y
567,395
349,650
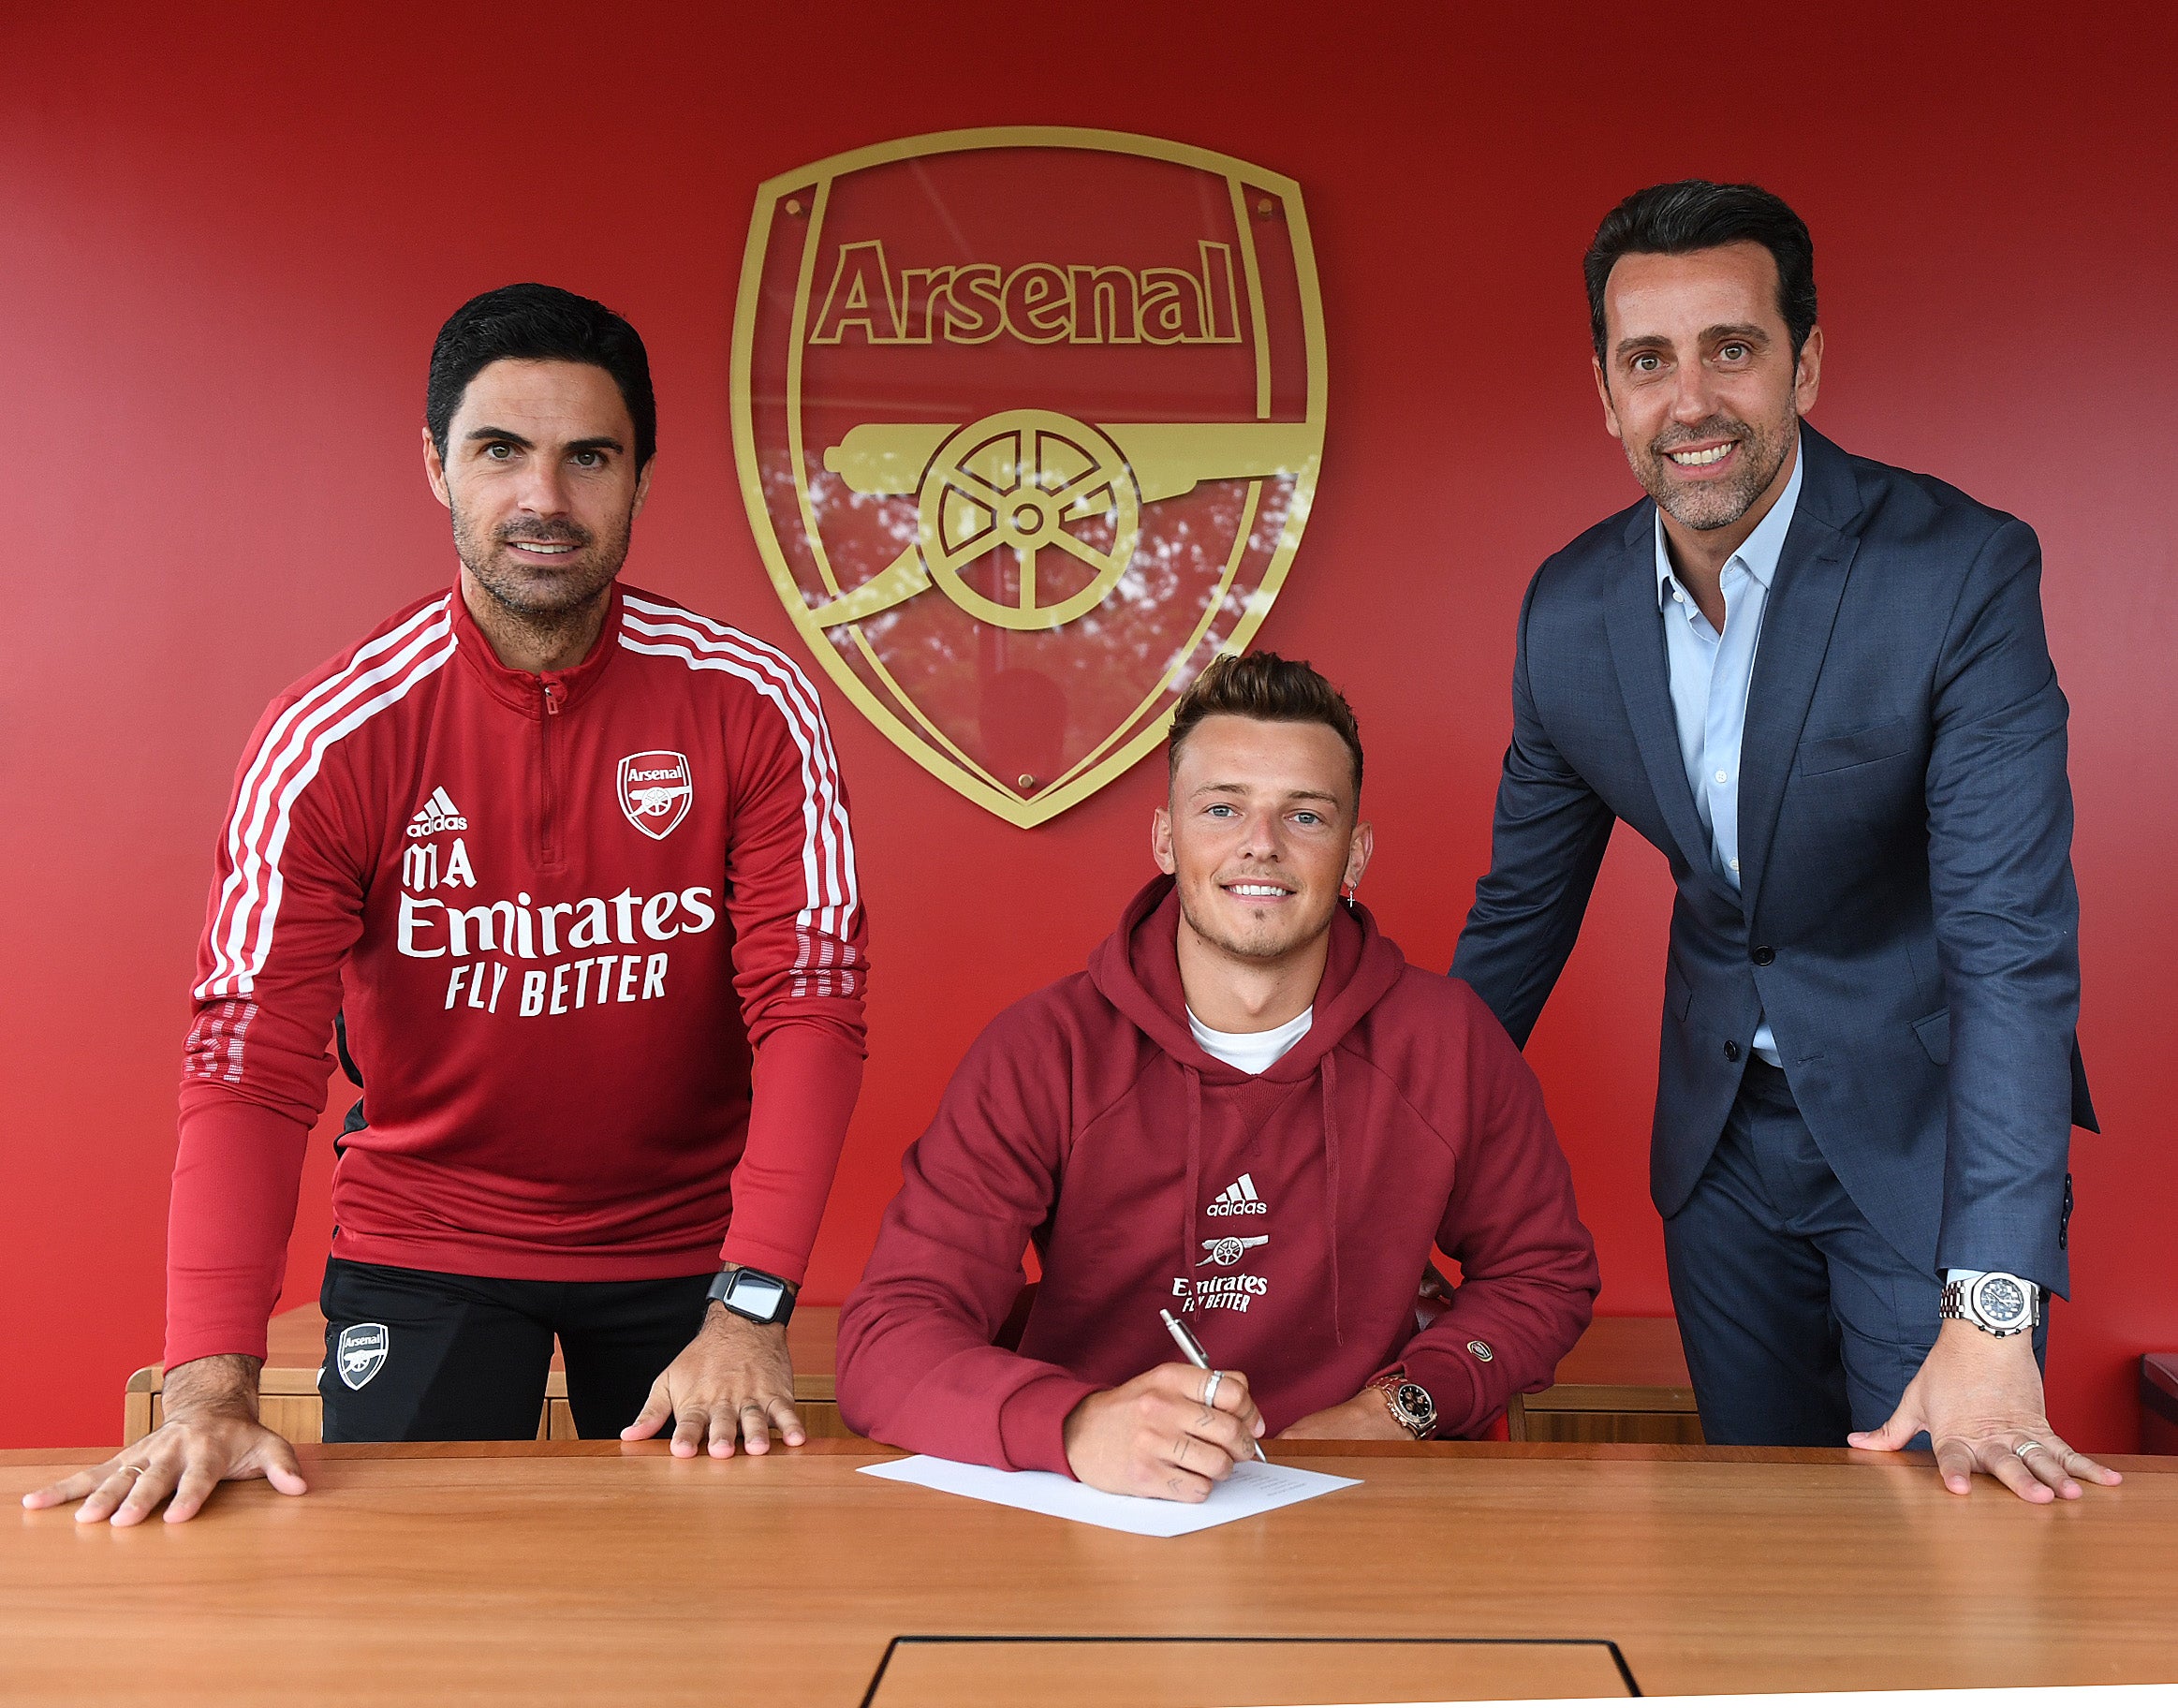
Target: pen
x,y
1192,1350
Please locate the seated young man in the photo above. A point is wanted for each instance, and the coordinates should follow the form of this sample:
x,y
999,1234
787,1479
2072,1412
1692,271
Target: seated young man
x,y
1251,1112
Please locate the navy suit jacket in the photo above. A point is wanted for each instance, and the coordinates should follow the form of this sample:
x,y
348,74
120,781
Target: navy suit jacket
x,y
1906,917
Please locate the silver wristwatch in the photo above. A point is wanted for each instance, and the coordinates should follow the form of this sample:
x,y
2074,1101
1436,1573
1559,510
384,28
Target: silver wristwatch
x,y
1994,1303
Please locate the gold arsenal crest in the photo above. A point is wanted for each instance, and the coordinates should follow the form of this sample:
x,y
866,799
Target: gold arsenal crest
x,y
1028,421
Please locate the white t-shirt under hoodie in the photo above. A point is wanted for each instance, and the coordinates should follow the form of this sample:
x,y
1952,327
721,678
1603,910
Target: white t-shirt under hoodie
x,y
1252,1051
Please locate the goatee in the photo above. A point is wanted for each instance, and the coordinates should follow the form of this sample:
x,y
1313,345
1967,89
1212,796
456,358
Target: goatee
x,y
1706,504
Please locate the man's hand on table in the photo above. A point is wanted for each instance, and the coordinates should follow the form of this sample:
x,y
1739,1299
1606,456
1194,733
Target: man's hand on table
x,y
734,1380
1364,1417
211,1435
1979,1397
1158,1437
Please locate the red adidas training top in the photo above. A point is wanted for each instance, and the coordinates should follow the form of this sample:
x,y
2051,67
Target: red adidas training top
x,y
559,913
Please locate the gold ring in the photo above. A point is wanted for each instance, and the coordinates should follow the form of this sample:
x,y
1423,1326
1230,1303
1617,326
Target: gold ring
x,y
134,1470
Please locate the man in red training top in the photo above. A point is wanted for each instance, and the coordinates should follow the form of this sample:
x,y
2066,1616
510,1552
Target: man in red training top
x,y
572,865
1251,1112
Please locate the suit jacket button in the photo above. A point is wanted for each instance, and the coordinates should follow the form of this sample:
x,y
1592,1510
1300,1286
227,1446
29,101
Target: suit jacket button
x,y
1764,955
1731,1051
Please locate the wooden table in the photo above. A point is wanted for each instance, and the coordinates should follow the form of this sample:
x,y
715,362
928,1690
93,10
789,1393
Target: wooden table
x,y
1625,1381
593,1571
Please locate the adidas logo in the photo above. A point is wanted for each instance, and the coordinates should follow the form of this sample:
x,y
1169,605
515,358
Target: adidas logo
x,y
1238,1200
437,814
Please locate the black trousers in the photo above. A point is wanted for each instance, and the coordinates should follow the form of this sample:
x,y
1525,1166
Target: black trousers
x,y
1800,1320
413,1355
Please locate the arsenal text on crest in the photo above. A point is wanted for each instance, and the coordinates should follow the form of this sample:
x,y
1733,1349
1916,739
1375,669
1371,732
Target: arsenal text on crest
x,y
1036,302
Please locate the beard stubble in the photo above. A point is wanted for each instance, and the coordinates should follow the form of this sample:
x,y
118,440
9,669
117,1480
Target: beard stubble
x,y
1701,507
543,605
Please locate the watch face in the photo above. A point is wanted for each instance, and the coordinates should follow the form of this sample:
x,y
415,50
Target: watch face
x,y
1414,1402
2001,1300
754,1296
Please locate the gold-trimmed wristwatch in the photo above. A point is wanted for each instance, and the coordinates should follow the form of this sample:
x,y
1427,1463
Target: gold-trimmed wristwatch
x,y
1409,1404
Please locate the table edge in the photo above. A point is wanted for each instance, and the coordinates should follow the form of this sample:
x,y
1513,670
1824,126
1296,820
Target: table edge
x,y
855,1447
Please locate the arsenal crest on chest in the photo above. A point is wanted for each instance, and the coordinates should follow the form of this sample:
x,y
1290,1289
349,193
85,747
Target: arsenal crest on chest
x,y
1028,423
656,790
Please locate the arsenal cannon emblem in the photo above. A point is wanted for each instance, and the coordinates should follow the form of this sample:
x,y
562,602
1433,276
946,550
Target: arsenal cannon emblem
x,y
1028,423
656,792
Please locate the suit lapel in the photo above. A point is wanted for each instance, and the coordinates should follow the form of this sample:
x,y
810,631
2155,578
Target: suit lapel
x,y
1636,651
1797,621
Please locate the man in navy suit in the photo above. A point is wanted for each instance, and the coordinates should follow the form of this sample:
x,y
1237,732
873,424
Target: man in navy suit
x,y
1821,686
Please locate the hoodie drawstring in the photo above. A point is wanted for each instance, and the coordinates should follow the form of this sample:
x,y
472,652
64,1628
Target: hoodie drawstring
x,y
1328,1071
1190,1204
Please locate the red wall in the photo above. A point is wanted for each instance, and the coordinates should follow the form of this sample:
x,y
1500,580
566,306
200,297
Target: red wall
x,y
224,248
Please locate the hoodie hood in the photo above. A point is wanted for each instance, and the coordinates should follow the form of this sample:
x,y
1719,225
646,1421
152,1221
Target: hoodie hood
x,y
1137,969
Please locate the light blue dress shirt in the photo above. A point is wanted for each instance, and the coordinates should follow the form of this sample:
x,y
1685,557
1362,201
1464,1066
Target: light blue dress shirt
x,y
1709,673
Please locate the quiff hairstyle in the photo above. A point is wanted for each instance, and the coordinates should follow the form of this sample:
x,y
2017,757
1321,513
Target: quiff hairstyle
x,y
1264,686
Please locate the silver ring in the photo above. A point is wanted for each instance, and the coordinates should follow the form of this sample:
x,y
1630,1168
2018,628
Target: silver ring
x,y
134,1470
1209,1388
2024,1447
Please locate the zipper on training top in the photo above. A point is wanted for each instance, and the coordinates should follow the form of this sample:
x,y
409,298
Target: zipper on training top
x,y
548,806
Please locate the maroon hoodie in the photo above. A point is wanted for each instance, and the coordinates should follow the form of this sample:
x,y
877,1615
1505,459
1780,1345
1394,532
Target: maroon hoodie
x,y
1289,1215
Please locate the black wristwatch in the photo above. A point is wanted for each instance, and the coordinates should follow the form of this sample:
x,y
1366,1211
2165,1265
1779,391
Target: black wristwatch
x,y
752,1293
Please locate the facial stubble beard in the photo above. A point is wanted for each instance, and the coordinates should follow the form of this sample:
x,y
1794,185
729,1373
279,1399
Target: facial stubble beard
x,y
1258,955
1703,507
589,573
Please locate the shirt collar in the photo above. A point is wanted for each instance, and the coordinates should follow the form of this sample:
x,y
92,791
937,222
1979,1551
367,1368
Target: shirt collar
x,y
527,690
1761,549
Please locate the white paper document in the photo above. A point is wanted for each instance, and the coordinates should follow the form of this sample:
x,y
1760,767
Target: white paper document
x,y
1251,1489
